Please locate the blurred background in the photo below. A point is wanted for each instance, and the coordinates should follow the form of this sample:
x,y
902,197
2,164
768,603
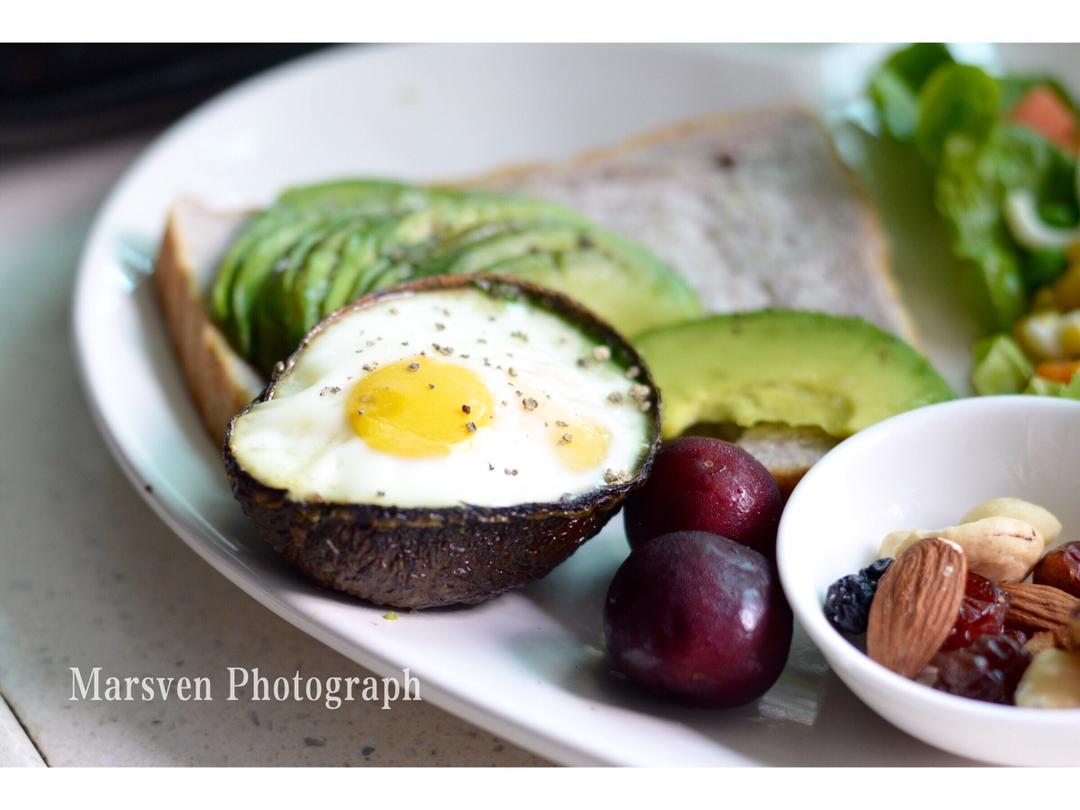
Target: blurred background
x,y
56,95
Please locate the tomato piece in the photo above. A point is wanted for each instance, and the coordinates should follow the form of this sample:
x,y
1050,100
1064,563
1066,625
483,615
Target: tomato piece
x,y
1042,110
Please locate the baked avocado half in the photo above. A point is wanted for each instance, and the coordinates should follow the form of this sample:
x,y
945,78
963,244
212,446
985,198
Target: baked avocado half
x,y
320,247
445,440
800,369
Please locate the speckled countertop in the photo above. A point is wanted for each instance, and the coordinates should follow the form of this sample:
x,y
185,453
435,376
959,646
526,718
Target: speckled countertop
x,y
90,577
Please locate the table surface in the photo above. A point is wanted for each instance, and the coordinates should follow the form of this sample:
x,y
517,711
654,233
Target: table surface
x,y
90,577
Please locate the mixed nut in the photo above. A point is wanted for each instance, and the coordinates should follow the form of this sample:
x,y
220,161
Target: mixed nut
x,y
954,608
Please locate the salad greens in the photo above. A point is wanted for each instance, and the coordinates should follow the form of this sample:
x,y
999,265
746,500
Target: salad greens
x,y
986,140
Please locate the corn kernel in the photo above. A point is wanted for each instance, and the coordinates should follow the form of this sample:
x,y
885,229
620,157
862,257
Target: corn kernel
x,y
1069,334
1067,288
1039,335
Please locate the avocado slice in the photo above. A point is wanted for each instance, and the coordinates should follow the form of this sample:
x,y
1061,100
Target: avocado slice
x,y
410,547
622,283
320,247
840,374
406,240
350,192
257,250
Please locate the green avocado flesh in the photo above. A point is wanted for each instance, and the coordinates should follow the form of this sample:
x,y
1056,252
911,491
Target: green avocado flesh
x,y
320,247
798,368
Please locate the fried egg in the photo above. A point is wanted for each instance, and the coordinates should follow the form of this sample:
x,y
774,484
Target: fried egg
x,y
446,397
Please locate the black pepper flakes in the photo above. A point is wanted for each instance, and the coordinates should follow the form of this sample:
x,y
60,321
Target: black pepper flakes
x,y
414,366
723,160
466,409
329,390
471,427
529,404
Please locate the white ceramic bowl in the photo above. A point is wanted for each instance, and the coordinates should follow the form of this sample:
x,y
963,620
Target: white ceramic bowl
x,y
926,468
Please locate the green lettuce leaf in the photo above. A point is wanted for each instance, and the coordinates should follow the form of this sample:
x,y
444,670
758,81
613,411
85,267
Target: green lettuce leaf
x,y
956,100
973,178
894,87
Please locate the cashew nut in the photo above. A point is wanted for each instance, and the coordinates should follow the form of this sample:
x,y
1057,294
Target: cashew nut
x,y
1052,681
1048,525
1002,549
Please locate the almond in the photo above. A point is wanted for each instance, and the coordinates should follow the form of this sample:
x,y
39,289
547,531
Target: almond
x,y
1039,607
916,605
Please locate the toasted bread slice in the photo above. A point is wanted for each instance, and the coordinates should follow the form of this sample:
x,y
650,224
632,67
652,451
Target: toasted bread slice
x,y
220,382
754,209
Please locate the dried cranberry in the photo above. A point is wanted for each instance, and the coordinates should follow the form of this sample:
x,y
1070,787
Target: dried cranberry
x,y
988,669
982,613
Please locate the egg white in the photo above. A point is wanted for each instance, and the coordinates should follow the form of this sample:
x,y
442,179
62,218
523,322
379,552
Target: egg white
x,y
301,440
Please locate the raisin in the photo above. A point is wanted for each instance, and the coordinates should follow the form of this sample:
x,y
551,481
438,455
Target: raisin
x,y
847,603
876,570
988,669
982,613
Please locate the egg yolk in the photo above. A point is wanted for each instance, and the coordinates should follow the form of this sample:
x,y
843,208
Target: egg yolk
x,y
419,407
581,445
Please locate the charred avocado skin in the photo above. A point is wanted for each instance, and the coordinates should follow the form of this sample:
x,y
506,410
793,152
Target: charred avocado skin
x,y
434,557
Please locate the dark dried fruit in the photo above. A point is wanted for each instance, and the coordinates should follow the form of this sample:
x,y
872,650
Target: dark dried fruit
x,y
1060,568
876,570
982,613
1020,636
988,669
847,603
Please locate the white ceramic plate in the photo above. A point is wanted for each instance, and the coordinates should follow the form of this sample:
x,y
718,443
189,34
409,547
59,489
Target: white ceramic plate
x,y
529,665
